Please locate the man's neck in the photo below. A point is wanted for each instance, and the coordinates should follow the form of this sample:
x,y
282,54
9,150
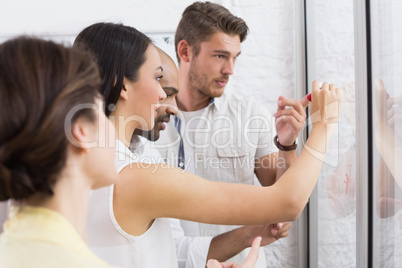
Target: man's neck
x,y
190,99
189,104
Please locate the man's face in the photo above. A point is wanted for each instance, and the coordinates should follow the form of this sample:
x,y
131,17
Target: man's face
x,y
168,107
210,69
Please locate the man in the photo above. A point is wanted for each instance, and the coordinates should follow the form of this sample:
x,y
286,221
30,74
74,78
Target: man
x,y
188,248
222,137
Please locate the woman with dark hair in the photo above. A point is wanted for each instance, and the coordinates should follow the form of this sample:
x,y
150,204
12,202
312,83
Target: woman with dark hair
x,y
50,152
127,221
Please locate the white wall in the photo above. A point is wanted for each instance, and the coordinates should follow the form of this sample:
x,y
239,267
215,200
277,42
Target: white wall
x,y
69,17
265,69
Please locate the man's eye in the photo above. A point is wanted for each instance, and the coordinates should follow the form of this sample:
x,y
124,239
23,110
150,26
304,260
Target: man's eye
x,y
159,78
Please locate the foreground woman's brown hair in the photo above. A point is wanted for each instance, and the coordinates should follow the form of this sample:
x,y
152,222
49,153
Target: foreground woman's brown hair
x,y
48,117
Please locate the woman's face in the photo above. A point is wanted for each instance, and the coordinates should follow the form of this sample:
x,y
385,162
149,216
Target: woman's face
x,y
144,94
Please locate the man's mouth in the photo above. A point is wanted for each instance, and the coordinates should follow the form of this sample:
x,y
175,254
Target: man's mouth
x,y
162,121
222,82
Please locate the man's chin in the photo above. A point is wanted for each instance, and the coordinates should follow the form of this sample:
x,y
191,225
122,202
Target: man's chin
x,y
217,93
154,134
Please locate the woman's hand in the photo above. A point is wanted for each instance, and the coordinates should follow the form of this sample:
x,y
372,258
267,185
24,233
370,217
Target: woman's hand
x,y
248,263
325,104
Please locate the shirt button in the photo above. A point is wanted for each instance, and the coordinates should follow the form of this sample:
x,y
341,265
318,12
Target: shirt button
x,y
181,164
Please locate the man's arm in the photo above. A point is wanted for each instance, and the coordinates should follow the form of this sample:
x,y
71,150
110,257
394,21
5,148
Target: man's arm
x,y
289,120
192,251
229,244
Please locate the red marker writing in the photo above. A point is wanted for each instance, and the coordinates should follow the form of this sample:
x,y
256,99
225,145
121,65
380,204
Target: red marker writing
x,y
309,97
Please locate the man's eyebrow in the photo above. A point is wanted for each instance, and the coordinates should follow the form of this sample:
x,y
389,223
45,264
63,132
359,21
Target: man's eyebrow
x,y
175,90
160,68
225,52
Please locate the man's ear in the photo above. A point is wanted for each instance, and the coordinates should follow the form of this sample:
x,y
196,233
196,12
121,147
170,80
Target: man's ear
x,y
124,91
184,50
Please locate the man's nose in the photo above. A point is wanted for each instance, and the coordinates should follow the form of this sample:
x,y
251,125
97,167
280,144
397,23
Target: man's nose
x,y
228,68
171,109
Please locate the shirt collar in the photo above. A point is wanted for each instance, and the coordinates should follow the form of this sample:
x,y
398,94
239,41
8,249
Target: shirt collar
x,y
217,102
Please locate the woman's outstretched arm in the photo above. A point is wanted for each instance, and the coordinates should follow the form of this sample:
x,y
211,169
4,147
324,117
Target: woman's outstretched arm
x,y
144,193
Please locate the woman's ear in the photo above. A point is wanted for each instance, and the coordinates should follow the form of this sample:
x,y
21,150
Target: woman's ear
x,y
183,50
124,91
83,134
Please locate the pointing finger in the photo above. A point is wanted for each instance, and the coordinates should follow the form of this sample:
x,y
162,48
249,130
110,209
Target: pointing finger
x,y
305,101
281,107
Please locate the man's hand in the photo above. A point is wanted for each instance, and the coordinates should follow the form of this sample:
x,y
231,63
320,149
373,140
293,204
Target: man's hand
x,y
278,230
269,232
248,263
289,119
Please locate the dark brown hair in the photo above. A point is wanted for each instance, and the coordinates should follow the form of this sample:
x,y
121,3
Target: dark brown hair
x,y
119,51
40,82
201,20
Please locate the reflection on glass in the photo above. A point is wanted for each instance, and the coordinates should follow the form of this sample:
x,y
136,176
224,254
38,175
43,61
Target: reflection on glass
x,y
387,175
386,37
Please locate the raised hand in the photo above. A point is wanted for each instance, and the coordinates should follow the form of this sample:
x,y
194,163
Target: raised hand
x,y
325,104
289,119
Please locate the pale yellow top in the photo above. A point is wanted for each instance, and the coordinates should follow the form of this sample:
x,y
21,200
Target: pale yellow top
x,y
39,237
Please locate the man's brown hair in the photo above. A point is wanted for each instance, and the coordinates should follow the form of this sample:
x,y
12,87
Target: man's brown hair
x,y
201,20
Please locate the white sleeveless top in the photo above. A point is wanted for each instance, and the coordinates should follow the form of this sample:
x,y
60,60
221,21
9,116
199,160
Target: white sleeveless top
x,y
154,248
